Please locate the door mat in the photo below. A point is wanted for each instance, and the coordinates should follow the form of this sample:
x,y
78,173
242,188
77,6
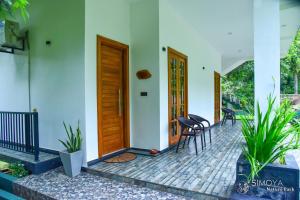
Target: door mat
x,y
124,157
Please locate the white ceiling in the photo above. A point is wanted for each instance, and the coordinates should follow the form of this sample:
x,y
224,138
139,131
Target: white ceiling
x,y
228,25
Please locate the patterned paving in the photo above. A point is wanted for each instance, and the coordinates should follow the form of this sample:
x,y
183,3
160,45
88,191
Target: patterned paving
x,y
212,172
56,185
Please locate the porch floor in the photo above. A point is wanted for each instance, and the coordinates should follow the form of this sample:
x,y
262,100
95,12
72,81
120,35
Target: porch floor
x,y
212,172
46,161
25,156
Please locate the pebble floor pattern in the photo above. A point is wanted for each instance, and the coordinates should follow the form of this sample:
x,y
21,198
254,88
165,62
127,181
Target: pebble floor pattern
x,y
212,172
55,185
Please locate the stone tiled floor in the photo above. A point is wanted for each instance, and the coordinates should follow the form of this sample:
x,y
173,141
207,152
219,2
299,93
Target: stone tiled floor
x,y
55,185
25,156
212,172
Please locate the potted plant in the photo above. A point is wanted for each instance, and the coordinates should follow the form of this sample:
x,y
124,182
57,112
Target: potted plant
x,y
10,7
72,157
264,169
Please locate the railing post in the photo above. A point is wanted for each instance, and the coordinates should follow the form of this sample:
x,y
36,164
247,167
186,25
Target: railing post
x,y
36,136
27,132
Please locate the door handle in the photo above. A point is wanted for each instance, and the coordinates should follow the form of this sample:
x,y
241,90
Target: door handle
x,y
120,104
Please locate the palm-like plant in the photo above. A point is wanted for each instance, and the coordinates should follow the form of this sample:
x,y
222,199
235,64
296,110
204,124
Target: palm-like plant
x,y
74,140
10,7
271,138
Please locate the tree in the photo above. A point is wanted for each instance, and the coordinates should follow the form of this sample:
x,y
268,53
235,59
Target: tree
x,y
239,84
293,61
286,77
8,8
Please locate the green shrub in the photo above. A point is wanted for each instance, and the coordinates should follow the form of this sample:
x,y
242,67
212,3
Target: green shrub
x,y
272,136
18,170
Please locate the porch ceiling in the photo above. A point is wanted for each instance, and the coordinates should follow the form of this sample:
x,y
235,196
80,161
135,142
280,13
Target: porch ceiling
x,y
228,25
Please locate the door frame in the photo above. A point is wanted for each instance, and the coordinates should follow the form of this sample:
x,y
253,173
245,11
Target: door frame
x,y
126,109
173,51
217,74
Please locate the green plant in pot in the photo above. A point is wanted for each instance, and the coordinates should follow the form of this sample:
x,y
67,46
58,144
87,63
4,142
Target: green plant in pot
x,y
72,157
270,138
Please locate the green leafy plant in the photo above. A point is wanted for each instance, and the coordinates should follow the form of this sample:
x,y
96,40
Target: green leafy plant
x,y
11,7
74,140
271,138
18,170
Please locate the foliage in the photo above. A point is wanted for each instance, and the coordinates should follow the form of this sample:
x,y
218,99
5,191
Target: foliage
x,y
293,57
240,84
18,170
287,78
9,8
272,136
74,140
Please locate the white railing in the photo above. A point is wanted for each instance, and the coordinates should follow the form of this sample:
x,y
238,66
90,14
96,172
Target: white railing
x,y
289,96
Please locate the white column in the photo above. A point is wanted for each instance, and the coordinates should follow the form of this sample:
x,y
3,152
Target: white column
x,y
266,14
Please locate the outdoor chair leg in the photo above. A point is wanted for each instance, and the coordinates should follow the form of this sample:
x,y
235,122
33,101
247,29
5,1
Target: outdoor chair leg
x,y
189,140
204,137
201,142
224,120
195,144
184,141
209,130
178,143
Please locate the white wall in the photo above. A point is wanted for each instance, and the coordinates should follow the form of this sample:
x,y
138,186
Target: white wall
x,y
266,15
176,33
14,82
57,71
109,18
144,48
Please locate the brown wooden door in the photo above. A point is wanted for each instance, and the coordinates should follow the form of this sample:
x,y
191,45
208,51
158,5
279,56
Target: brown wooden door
x,y
217,96
112,65
178,96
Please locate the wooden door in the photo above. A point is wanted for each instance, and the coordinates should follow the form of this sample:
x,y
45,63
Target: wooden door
x,y
217,83
112,95
178,92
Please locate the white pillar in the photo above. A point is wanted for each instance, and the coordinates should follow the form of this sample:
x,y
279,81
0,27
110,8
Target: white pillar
x,y
266,14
